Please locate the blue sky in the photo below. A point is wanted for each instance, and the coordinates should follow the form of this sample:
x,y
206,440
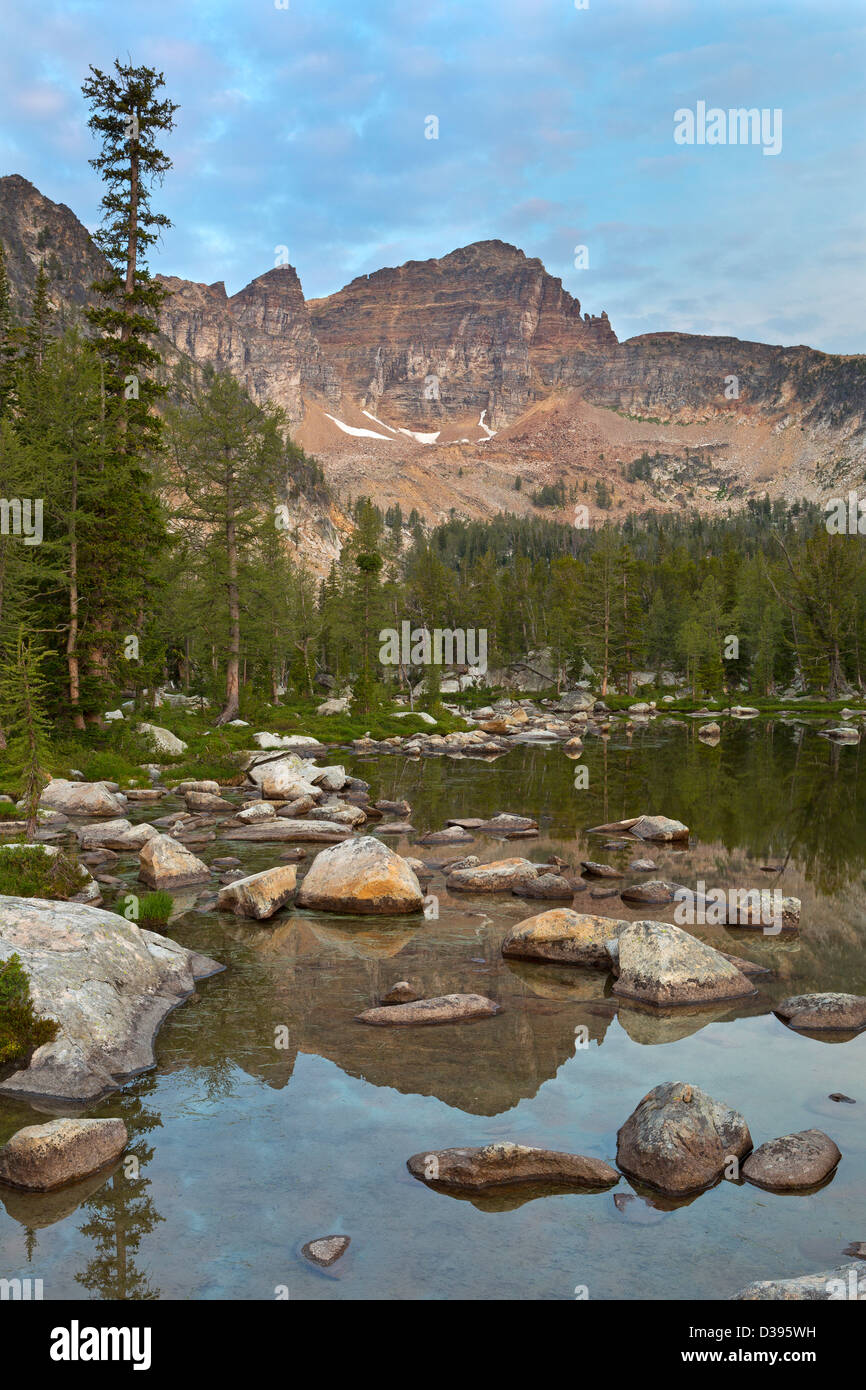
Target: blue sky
x,y
305,127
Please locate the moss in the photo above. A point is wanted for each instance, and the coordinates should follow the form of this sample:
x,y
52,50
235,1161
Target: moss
x,y
27,871
21,1030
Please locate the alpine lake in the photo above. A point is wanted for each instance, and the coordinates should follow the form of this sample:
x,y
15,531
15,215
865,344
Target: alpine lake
x,y
273,1117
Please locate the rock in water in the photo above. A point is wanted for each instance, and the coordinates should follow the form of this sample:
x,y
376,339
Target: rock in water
x,y
563,936
499,877
655,891
362,876
108,984
81,798
659,828
591,870
446,1008
793,1162
260,895
326,1250
401,993
679,1139
816,1013
165,863
42,1157
500,1164
664,965
550,886
835,1285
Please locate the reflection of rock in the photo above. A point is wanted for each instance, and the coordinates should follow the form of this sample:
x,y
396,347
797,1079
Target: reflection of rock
x,y
844,1282
35,1210
504,1164
645,1024
793,1162
369,939
41,1157
679,1139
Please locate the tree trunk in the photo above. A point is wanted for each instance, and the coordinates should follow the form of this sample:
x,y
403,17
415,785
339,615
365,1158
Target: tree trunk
x,y
232,704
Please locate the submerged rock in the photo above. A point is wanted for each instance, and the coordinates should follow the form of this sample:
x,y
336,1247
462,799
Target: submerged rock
x,y
830,1012
680,1140
165,863
108,983
42,1157
793,1161
563,936
664,965
502,1164
260,895
361,876
446,1008
326,1250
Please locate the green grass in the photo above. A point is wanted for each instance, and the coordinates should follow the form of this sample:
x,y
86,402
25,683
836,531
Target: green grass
x,y
154,910
21,1031
29,872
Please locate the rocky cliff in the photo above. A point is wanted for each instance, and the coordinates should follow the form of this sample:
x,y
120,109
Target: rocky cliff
x,y
461,384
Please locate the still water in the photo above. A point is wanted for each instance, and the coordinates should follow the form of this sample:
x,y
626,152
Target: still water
x,y
246,1150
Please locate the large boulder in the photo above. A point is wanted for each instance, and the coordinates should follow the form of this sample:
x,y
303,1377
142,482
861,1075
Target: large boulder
x,y
81,798
106,982
504,1163
833,1285
42,1157
680,1140
163,740
792,1162
563,936
499,877
206,801
165,863
446,1008
260,895
818,1013
362,876
118,834
662,964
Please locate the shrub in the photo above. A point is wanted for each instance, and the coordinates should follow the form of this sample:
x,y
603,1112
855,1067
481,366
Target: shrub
x,y
21,1031
28,871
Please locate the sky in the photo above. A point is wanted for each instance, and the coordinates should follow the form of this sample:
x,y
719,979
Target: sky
x,y
305,124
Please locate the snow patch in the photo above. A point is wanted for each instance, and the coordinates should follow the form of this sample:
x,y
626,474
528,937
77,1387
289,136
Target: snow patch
x,y
377,421
352,429
421,438
489,433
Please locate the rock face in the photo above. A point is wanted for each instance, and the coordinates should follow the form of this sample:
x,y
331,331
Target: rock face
x,y
484,328
793,1162
834,1285
664,965
362,876
832,1013
108,984
259,895
42,1157
679,1139
165,863
563,936
502,1164
81,798
447,1008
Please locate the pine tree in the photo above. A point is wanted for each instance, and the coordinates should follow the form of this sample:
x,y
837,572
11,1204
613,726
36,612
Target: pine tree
x,y
23,712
